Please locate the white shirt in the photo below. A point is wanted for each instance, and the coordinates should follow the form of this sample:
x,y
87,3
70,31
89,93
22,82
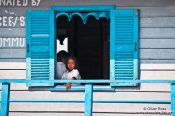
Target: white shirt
x,y
69,74
61,69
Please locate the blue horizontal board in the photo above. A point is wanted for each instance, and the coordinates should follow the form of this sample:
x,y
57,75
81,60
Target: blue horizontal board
x,y
81,88
86,81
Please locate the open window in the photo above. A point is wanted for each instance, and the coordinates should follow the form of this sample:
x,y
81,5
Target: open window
x,y
88,42
103,39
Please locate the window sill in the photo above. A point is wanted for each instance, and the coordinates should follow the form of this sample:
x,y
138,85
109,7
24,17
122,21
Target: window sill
x,y
81,88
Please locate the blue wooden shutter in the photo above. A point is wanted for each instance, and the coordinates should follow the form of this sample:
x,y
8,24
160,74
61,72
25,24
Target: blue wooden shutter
x,y
124,45
39,46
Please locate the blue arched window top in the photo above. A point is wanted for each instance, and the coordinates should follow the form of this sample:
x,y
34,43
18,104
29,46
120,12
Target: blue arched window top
x,y
84,15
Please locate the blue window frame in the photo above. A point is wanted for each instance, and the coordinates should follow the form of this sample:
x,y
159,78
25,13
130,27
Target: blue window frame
x,y
124,55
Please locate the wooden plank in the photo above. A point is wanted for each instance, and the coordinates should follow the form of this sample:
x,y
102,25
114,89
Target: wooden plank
x,y
109,107
158,54
157,22
160,33
119,95
13,60
144,3
68,113
12,74
154,11
12,53
50,113
13,65
157,61
163,75
157,43
162,67
12,32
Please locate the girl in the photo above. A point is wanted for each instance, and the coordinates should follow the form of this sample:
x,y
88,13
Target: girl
x,y
72,73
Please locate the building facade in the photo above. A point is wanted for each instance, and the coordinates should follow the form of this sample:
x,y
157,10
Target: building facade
x,y
156,58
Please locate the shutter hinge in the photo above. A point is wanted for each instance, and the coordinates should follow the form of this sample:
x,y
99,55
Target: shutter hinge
x,y
137,12
28,48
135,46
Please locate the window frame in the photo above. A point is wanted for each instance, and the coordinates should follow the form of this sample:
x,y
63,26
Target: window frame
x,y
81,9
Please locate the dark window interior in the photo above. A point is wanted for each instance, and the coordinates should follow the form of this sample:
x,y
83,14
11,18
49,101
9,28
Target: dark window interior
x,y
89,43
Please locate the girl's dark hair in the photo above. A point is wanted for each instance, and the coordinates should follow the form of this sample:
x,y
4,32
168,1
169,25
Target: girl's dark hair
x,y
72,58
62,55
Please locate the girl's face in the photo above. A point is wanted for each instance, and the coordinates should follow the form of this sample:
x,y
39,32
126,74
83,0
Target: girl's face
x,y
71,64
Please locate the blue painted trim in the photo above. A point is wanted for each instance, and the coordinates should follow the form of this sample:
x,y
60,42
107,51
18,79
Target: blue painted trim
x,y
28,45
5,95
88,99
86,81
84,16
81,15
173,99
82,88
62,13
136,45
112,45
52,48
83,8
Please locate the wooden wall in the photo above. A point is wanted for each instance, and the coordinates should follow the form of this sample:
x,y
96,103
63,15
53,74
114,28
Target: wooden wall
x,y
157,57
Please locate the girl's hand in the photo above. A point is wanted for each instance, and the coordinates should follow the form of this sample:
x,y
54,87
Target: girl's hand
x,y
68,86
